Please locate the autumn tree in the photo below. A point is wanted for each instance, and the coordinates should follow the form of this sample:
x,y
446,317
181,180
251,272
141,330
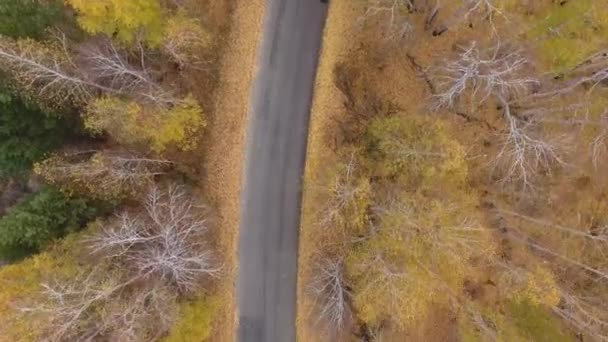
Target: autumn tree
x,y
333,294
21,286
45,70
500,75
102,174
135,108
126,20
416,233
185,40
161,254
392,15
132,123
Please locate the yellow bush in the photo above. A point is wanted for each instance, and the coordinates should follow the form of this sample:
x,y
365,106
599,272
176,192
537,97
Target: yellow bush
x,y
131,123
570,32
185,39
195,322
417,150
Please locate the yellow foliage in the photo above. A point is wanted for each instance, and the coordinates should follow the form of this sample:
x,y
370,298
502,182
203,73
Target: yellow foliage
x,y
541,288
537,285
20,285
425,231
185,39
570,31
195,322
131,123
418,150
126,19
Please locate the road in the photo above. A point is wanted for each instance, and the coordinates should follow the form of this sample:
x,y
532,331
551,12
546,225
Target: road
x,y
276,149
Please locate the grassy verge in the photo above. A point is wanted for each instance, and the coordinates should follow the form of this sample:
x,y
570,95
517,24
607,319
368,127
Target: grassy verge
x,y
224,146
326,107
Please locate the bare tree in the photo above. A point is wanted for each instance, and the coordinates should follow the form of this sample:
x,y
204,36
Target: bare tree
x,y
108,66
160,254
482,74
392,14
525,152
343,192
331,293
50,71
165,242
586,313
140,315
497,74
73,307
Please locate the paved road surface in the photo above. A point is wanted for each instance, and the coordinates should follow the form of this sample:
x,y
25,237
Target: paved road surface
x,y
270,209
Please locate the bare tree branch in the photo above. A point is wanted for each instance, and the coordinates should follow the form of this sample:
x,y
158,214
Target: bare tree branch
x,y
391,13
330,291
165,242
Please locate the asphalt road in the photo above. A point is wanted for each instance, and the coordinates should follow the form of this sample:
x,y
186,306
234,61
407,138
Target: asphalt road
x,y
276,149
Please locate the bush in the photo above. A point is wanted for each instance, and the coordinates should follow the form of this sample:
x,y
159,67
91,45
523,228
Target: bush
x,y
33,223
583,30
132,123
416,150
196,318
26,134
28,18
536,322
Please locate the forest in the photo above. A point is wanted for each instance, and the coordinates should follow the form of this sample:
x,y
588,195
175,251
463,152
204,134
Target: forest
x,y
455,186
112,219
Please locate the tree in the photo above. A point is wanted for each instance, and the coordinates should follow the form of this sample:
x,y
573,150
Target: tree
x,y
134,110
102,174
46,71
28,18
185,40
497,74
73,308
147,260
165,242
26,134
132,123
32,224
414,246
20,283
417,151
127,20
332,293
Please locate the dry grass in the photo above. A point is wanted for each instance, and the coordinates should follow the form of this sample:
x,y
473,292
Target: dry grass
x,y
223,144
